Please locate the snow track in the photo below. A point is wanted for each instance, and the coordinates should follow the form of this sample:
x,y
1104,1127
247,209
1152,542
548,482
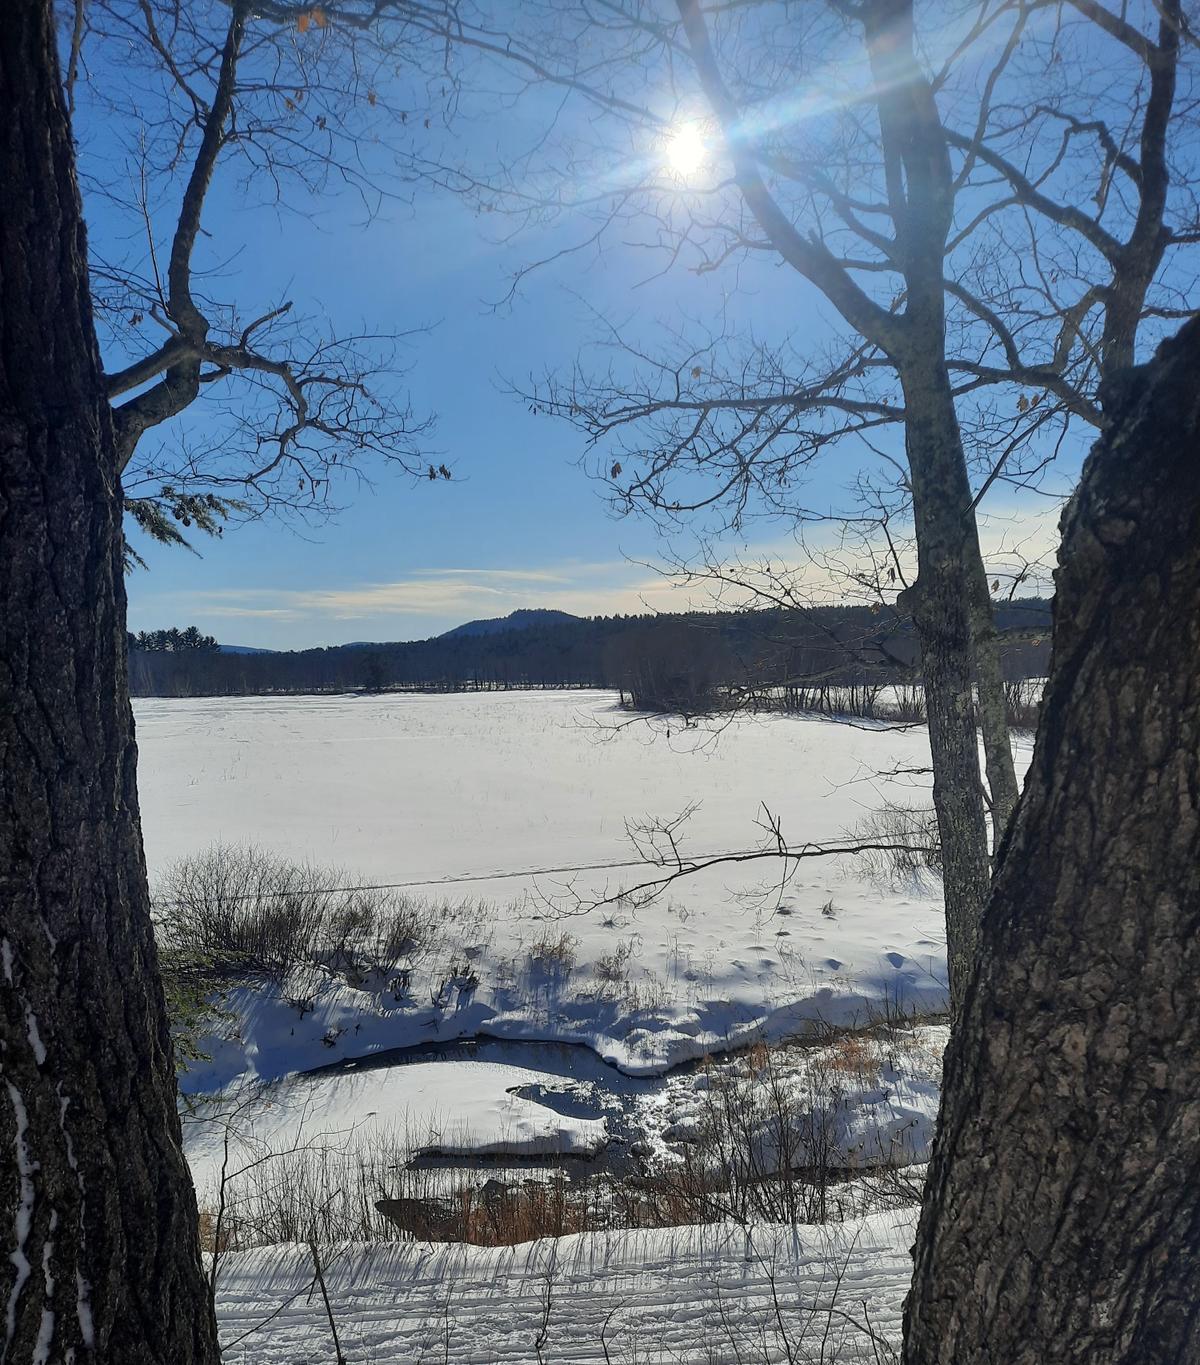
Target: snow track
x,y
710,1295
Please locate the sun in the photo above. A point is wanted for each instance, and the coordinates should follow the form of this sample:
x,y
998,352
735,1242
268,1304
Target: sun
x,y
686,150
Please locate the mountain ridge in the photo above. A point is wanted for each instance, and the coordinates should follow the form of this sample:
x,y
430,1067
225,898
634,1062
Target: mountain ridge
x,y
524,618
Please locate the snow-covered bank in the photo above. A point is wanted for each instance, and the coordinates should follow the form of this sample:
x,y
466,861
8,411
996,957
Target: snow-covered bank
x,y
715,1293
469,1107
441,1139
274,1036
868,1100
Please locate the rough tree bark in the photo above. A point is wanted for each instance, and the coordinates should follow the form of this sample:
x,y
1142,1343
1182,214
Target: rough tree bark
x,y
99,1258
1062,1213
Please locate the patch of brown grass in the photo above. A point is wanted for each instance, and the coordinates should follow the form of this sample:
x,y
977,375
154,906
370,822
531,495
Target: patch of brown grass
x,y
854,1054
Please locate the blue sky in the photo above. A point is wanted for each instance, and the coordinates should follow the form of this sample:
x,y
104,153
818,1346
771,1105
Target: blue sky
x,y
522,524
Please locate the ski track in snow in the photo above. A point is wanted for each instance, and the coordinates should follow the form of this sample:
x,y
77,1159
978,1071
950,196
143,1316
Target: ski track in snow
x,y
700,1294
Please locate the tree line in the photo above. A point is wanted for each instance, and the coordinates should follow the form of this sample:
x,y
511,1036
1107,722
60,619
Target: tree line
x,y
680,662
172,640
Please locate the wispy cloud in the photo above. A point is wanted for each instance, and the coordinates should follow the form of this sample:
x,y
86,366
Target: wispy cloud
x,y
447,594
509,575
428,600
259,613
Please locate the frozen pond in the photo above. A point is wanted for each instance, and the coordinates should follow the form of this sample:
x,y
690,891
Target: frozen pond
x,y
569,1080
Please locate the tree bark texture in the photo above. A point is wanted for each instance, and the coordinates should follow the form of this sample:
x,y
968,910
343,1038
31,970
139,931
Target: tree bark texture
x,y
99,1258
1062,1214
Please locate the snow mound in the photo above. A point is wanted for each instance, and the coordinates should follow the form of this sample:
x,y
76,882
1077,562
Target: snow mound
x,y
422,1106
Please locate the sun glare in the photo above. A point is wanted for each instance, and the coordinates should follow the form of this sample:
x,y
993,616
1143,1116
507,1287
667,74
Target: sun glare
x,y
686,151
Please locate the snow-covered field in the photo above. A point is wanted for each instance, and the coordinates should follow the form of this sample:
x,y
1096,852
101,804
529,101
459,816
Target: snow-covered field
x,y
432,790
476,805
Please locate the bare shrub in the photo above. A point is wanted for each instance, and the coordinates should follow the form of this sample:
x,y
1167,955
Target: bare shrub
x,y
612,968
248,910
773,1135
554,954
242,906
913,833
858,699
673,693
310,1192
906,704
775,1140
371,1193
403,932
762,1148
1023,702
854,1055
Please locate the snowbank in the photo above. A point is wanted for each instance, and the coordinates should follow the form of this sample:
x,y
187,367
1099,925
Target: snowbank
x,y
423,1106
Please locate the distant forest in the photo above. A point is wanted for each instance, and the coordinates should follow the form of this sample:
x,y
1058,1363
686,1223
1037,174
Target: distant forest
x,y
686,662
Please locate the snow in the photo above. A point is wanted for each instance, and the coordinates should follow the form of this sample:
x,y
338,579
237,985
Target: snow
x,y
466,796
704,1294
869,1100
421,788
437,1106
23,1219
45,1336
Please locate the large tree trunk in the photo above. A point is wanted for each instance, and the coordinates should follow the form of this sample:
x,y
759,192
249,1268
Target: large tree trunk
x,y
98,1244
1062,1215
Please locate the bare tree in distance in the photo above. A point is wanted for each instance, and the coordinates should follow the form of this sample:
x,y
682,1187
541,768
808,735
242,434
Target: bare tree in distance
x,y
1062,1209
871,149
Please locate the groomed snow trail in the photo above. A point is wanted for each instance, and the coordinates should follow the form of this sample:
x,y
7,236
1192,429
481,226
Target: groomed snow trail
x,y
717,1295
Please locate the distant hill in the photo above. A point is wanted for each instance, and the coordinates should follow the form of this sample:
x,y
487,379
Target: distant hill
x,y
243,649
523,619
